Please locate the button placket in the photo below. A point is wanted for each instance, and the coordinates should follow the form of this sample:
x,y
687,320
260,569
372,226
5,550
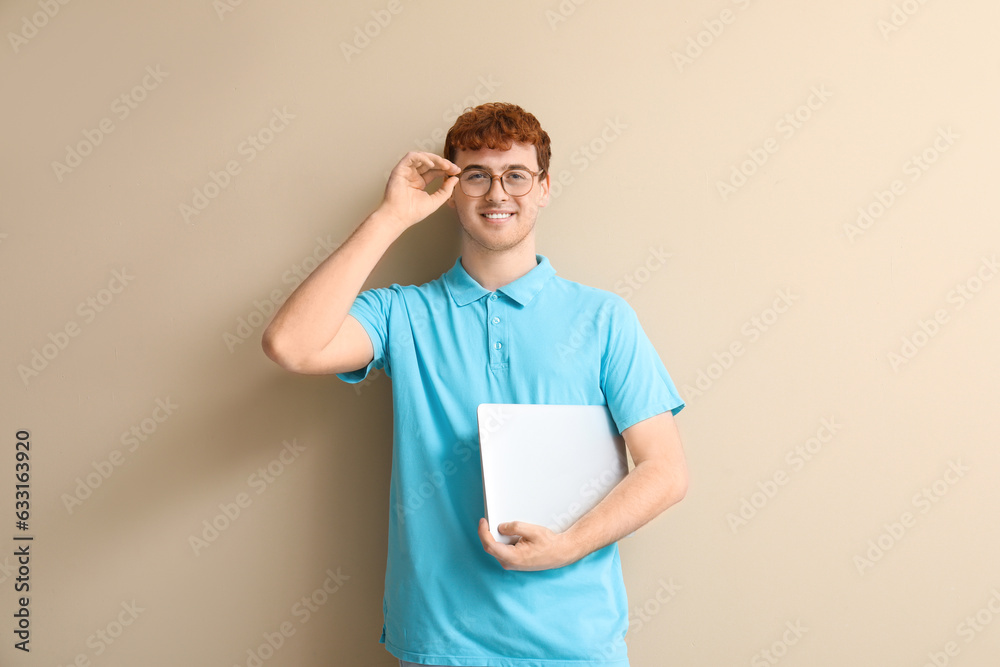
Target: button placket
x,y
496,327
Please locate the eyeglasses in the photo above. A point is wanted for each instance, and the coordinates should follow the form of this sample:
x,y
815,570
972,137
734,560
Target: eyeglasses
x,y
515,182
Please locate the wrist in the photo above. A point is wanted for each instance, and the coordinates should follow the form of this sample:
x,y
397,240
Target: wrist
x,y
386,222
574,544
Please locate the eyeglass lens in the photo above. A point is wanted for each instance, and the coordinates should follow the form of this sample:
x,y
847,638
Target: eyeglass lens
x,y
476,182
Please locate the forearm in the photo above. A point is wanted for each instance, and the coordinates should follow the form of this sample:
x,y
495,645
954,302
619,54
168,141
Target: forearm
x,y
313,314
649,489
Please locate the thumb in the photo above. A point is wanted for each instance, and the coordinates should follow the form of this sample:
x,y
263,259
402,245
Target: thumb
x,y
511,528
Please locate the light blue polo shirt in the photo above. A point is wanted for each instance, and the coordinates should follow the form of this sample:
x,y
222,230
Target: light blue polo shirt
x,y
449,345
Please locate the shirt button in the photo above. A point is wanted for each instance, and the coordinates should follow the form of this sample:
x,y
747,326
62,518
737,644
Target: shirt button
x,y
498,345
496,320
493,297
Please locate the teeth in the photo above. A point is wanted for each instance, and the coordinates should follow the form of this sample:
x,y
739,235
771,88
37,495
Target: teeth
x,y
497,216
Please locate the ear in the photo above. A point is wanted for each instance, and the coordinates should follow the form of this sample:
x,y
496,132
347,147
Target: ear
x,y
544,184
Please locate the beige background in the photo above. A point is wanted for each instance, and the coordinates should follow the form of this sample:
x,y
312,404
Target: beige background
x,y
641,139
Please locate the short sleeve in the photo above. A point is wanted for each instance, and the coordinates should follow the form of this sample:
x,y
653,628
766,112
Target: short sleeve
x,y
372,308
635,382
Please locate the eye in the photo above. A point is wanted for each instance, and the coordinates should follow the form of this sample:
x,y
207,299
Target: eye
x,y
473,176
517,176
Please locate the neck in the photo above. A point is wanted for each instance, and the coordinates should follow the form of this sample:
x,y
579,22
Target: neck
x,y
495,268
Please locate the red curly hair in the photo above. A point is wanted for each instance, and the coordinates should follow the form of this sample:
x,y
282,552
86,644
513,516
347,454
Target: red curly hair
x,y
496,125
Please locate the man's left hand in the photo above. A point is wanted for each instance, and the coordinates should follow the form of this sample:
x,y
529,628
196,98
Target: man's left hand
x,y
537,549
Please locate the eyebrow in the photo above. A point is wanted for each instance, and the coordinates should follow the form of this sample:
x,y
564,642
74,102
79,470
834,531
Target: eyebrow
x,y
505,168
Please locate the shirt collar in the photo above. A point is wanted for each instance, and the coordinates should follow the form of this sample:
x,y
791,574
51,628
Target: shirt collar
x,y
464,288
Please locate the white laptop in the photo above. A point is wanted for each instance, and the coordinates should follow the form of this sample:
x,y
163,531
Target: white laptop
x,y
547,464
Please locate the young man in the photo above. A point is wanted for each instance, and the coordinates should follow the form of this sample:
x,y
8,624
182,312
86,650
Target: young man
x,y
498,327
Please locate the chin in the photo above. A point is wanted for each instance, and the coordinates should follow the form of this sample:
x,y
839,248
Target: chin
x,y
500,245
493,238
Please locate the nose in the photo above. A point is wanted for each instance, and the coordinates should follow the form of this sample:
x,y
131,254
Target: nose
x,y
496,192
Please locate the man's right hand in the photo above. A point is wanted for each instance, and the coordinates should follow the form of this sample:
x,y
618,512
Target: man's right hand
x,y
313,331
406,200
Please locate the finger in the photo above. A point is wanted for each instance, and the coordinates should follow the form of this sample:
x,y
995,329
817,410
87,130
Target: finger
x,y
422,162
410,167
490,545
438,162
432,174
484,532
442,194
510,528
525,531
486,537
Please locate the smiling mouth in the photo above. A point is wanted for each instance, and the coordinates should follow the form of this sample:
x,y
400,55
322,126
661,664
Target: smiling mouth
x,y
498,217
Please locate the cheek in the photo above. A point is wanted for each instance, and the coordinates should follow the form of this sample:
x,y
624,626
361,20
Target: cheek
x,y
528,206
